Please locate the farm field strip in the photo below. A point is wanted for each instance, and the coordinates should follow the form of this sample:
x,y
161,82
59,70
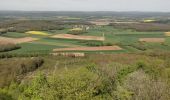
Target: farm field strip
x,y
154,40
57,44
37,33
102,48
14,35
17,40
69,36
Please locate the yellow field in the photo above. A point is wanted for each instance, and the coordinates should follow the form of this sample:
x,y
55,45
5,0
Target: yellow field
x,y
37,33
167,33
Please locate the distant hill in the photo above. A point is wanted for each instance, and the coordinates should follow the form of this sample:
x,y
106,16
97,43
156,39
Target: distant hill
x,y
37,14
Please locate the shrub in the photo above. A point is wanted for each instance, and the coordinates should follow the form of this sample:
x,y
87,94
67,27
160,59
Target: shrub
x,y
139,46
76,32
75,84
96,43
8,47
14,69
30,65
4,96
146,88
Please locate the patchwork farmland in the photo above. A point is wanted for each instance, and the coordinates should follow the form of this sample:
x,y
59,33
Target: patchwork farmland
x,y
95,36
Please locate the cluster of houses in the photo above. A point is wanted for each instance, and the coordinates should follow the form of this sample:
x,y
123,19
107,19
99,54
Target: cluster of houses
x,y
69,54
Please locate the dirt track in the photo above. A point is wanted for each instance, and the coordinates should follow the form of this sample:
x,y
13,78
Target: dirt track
x,y
78,37
16,40
154,40
103,48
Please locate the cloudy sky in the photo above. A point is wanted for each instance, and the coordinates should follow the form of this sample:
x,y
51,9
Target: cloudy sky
x,y
86,5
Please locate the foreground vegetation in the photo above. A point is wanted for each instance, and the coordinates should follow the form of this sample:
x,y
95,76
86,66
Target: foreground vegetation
x,y
137,76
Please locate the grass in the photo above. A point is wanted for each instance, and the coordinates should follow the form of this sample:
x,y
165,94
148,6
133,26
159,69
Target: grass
x,y
34,48
60,42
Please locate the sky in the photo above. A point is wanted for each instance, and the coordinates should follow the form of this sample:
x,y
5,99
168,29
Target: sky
x,y
86,5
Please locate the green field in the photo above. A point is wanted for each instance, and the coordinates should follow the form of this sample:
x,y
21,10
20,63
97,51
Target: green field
x,y
14,35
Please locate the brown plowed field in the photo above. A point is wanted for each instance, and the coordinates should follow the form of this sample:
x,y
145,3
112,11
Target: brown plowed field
x,y
16,40
102,48
78,37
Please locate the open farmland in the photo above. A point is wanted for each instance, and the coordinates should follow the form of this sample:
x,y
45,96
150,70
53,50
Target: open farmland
x,y
128,40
